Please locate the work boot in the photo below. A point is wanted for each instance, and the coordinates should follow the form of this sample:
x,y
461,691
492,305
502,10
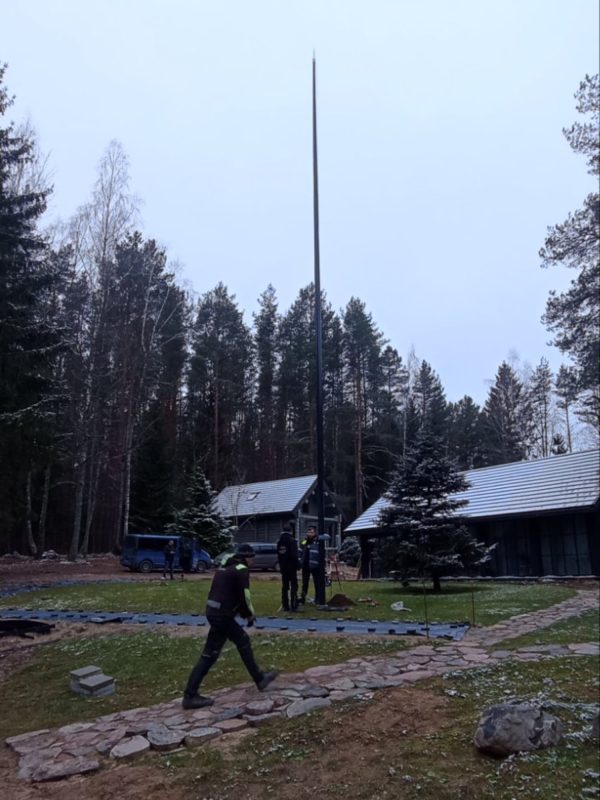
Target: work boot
x,y
196,701
267,678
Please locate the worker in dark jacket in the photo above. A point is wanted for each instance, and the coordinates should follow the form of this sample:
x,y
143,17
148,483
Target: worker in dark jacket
x,y
169,552
287,555
309,560
229,595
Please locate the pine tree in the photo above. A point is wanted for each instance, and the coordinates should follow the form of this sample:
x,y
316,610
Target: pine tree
x,y
362,358
29,336
574,315
428,538
267,358
566,391
296,382
220,388
540,396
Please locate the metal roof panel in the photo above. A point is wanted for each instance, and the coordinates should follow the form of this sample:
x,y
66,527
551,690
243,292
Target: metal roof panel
x,y
523,487
265,497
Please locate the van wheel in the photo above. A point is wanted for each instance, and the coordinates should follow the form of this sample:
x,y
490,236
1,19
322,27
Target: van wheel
x,y
201,566
145,566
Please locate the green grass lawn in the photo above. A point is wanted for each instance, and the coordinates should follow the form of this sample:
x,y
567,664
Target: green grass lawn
x,y
585,628
492,602
151,668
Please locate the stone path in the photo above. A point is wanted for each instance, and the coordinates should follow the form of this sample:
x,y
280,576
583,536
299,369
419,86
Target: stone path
x,y
84,747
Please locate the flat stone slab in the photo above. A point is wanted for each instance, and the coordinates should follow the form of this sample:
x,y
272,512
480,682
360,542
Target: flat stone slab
x,y
198,736
228,713
584,649
259,707
54,770
31,743
99,685
164,739
84,672
340,684
95,682
300,707
129,748
230,725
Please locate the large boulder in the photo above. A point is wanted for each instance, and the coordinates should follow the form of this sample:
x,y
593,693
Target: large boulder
x,y
515,727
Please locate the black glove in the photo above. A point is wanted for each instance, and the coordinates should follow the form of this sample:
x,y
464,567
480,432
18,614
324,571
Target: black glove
x,y
250,622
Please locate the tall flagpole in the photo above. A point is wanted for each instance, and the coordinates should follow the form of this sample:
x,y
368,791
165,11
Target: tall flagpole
x,y
320,599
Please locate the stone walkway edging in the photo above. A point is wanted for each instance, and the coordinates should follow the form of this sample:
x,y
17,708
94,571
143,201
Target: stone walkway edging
x,y
84,747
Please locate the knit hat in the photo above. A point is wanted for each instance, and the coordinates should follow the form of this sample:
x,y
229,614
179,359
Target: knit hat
x,y
244,550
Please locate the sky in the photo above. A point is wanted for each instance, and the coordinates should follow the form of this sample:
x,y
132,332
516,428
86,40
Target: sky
x,y
441,155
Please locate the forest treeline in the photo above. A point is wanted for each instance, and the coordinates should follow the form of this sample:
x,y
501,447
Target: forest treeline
x,y
117,387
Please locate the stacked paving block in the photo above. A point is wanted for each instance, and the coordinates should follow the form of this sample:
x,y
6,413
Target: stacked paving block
x,y
91,682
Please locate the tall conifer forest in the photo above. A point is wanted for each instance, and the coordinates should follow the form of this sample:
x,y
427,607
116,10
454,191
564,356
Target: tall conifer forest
x,y
118,387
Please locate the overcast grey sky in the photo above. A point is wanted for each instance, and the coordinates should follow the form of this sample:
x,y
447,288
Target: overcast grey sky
x,y
441,155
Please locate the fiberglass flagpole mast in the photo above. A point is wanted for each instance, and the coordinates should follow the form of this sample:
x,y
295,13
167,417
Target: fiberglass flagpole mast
x,y
320,599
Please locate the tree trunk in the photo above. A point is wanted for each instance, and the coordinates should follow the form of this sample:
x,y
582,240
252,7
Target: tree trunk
x,y
90,506
78,509
216,424
127,488
28,515
358,474
44,508
437,586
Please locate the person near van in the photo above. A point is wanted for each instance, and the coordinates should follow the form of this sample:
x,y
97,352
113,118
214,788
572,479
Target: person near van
x,y
228,596
169,550
309,561
287,556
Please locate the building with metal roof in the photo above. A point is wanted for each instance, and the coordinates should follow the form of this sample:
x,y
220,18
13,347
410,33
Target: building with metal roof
x,y
259,510
543,515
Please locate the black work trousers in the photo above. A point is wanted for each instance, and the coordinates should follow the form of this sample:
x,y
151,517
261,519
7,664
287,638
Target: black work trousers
x,y
168,567
289,588
306,575
222,629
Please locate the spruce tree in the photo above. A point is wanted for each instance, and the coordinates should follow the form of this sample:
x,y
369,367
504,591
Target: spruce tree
x,y
506,419
197,518
464,437
429,402
428,538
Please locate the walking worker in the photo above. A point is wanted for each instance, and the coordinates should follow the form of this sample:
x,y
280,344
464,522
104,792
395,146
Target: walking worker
x,y
309,559
287,555
229,595
169,550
